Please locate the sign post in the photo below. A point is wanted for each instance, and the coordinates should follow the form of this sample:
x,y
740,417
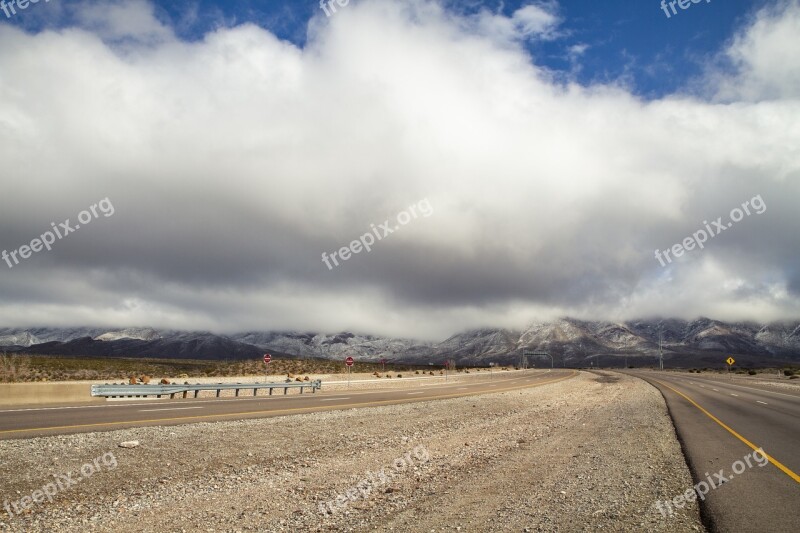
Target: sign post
x,y
349,363
267,359
730,361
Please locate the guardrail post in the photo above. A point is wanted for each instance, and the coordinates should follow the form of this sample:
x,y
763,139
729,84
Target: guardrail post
x,y
270,391
255,392
285,390
218,391
196,393
237,393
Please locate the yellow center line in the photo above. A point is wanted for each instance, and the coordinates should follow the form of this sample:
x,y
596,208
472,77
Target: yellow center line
x,y
771,459
295,410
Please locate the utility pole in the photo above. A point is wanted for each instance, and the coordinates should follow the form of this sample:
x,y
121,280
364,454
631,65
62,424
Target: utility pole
x,y
660,352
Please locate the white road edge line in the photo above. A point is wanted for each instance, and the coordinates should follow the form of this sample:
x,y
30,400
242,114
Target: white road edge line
x,y
168,409
759,401
333,399
732,394
414,393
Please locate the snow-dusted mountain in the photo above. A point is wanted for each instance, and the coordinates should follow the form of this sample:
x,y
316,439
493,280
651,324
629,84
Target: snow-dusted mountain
x,y
23,338
144,334
53,334
570,342
335,346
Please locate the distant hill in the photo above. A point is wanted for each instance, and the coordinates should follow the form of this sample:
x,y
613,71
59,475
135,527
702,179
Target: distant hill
x,y
571,342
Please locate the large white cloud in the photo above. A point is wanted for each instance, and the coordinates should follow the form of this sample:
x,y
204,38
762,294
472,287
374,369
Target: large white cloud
x,y
235,161
764,58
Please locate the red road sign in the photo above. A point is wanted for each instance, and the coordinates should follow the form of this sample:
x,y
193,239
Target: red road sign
x,y
267,358
349,361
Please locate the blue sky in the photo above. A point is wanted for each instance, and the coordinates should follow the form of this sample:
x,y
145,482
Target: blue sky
x,y
629,42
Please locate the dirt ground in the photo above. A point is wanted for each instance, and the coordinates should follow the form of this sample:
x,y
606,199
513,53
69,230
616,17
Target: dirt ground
x,y
590,453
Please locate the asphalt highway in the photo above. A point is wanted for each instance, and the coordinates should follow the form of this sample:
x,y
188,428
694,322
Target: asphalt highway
x,y
35,421
720,424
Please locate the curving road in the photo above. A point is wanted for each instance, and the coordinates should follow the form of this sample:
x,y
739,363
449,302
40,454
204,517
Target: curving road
x,y
37,421
719,423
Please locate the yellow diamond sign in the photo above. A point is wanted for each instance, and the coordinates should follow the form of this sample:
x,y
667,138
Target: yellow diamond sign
x,y
730,361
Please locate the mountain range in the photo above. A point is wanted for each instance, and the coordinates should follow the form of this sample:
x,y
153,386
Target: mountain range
x,y
570,342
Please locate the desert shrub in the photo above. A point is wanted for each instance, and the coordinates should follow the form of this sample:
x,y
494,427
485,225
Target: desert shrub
x,y
752,372
795,377
399,375
14,368
788,372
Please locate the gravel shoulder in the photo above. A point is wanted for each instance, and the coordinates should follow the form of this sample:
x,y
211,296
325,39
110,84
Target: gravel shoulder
x,y
588,453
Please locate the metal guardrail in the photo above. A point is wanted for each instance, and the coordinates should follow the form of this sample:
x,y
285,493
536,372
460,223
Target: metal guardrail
x,y
144,391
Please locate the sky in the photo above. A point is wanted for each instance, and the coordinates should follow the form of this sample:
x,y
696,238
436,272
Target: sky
x,y
406,168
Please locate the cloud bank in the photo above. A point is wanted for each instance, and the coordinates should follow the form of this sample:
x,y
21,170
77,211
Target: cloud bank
x,y
233,162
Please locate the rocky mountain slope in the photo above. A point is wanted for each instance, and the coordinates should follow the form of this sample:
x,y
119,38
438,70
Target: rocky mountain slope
x,y
571,342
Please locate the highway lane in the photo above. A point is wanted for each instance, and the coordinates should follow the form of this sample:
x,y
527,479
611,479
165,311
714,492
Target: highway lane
x,y
36,421
720,423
